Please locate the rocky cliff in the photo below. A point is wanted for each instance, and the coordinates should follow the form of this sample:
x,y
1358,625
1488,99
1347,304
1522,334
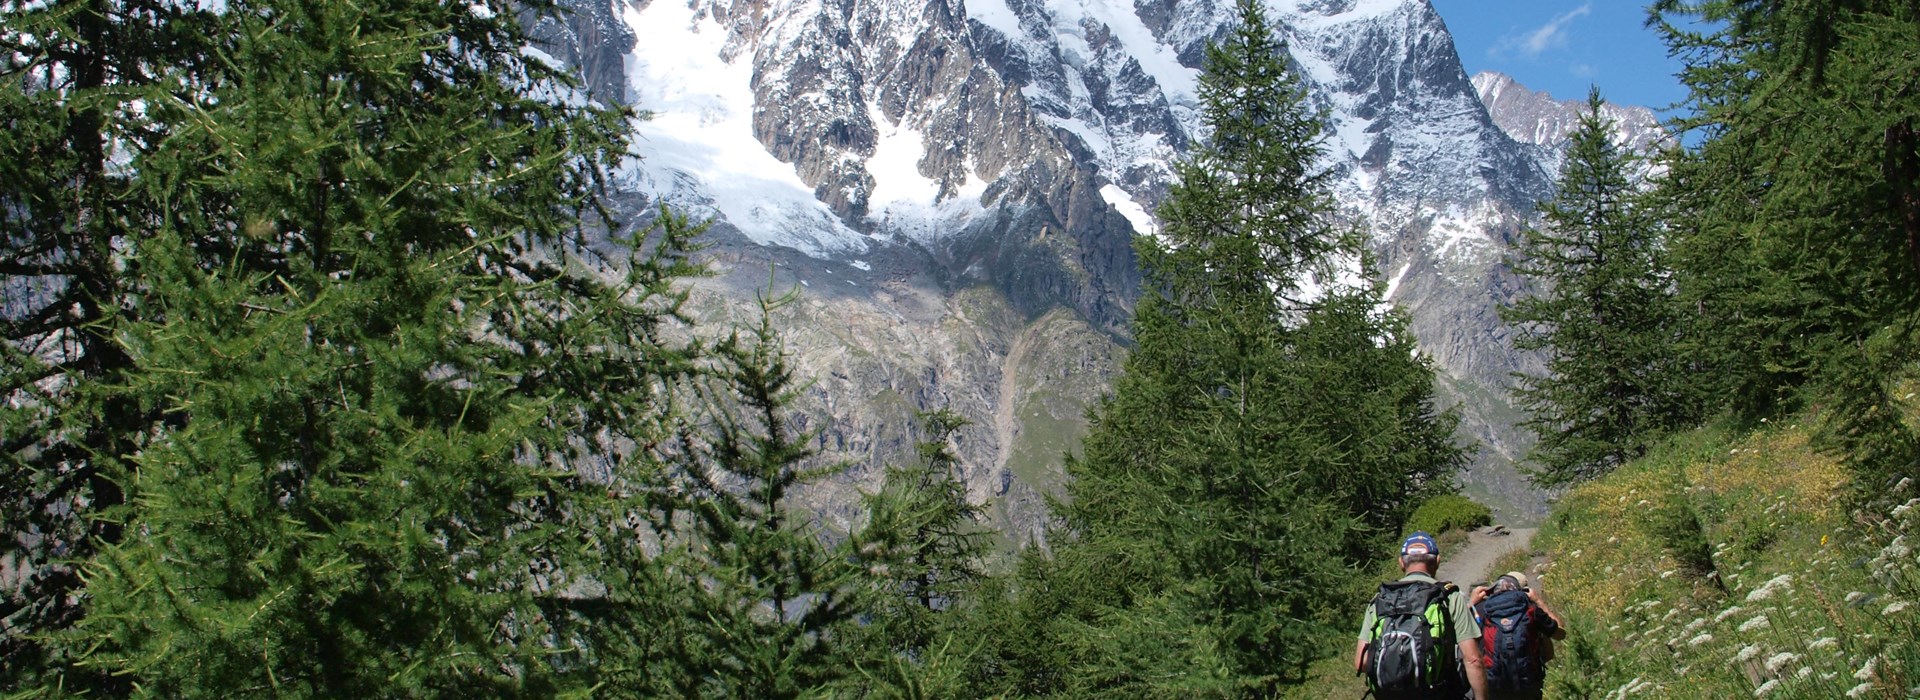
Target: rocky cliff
x,y
1539,120
955,186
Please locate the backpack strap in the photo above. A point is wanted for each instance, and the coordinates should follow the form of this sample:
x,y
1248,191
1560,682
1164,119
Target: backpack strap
x,y
1448,646
1442,591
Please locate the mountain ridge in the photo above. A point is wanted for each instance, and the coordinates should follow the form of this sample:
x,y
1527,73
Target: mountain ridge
x,y
889,150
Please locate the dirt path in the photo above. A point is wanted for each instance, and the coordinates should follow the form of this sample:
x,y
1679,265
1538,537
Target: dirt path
x,y
1468,565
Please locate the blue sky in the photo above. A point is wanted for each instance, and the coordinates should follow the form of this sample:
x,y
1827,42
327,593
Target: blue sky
x,y
1562,46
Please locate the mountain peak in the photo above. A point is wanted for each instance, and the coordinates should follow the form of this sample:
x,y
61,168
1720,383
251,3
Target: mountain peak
x,y
1537,118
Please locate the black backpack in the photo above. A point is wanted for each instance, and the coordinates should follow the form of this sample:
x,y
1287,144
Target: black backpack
x,y
1410,652
1510,642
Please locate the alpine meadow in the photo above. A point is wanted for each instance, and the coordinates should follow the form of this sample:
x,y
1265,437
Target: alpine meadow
x,y
766,349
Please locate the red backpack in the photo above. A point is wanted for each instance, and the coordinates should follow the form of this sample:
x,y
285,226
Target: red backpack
x,y
1510,644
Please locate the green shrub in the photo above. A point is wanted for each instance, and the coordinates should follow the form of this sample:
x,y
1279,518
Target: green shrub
x,y
1449,512
1677,526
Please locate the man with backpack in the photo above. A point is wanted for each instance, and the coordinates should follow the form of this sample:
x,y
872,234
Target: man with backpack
x,y
1516,637
1418,636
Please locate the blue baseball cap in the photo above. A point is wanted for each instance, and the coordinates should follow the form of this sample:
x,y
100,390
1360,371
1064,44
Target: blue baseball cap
x,y
1419,543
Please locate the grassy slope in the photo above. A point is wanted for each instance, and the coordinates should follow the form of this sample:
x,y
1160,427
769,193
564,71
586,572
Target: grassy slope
x,y
1728,566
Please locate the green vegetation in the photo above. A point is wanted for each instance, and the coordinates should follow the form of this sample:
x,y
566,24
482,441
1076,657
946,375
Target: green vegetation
x,y
1602,314
305,347
319,379
1796,595
1771,274
1794,227
1261,448
1448,512
319,385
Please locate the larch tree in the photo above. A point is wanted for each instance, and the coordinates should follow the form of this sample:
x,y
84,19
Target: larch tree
x,y
72,78
927,542
1272,426
1602,313
1795,224
335,388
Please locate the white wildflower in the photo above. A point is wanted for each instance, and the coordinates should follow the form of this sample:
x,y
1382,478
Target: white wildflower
x,y
1803,672
1853,596
1904,481
1724,614
1867,672
1759,622
1894,607
1900,511
1823,644
1780,660
1766,687
1746,654
1777,584
1896,549
1668,573
1860,691
1575,553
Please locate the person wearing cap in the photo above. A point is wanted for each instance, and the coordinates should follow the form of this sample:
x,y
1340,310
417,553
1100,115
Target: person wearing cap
x,y
1545,623
1419,559
1516,581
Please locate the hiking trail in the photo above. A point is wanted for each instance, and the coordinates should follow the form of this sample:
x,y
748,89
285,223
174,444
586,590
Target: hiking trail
x,y
1468,565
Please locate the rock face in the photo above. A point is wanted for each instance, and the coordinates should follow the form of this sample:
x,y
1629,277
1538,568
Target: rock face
x,y
1537,119
955,186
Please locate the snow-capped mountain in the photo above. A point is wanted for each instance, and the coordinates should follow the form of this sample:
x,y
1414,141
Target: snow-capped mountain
x,y
1537,119
956,184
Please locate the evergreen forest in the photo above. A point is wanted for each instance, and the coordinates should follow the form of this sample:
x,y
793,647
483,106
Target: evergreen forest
x,y
328,370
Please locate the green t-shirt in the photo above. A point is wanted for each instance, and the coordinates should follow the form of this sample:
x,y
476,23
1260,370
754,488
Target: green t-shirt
x,y
1463,627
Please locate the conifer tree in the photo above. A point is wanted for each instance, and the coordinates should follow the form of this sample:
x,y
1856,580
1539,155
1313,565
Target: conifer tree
x,y
924,547
1796,220
1227,486
71,74
395,434
1603,314
925,536
773,603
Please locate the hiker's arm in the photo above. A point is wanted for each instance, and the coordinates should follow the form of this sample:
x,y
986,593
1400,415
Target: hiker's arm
x,y
1559,625
1476,669
1360,657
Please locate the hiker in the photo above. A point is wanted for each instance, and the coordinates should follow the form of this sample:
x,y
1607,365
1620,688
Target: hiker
x,y
1415,631
1517,631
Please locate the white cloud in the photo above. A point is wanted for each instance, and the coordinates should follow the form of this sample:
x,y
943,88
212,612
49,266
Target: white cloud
x,y
1550,35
